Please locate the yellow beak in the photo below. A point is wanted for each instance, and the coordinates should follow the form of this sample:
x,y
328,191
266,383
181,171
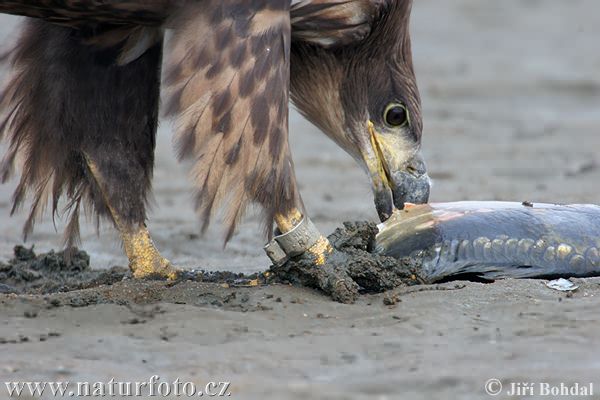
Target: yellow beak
x,y
397,172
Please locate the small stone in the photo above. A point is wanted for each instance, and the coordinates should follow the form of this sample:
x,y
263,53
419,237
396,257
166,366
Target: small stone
x,y
7,289
55,303
390,299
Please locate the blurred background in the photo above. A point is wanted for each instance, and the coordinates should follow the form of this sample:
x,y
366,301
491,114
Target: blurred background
x,y
511,98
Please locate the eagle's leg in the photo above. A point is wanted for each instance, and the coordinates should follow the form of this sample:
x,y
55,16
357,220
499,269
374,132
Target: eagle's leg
x,y
83,119
290,220
120,158
145,261
315,261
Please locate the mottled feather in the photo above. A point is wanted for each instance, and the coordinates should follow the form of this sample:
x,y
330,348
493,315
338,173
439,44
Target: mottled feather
x,y
227,84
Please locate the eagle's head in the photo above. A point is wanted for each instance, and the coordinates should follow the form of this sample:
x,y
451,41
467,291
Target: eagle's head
x,y
357,84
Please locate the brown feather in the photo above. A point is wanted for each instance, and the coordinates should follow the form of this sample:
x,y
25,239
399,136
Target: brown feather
x,y
227,83
331,23
66,100
78,12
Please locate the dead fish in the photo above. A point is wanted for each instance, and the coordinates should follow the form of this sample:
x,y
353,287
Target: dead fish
x,y
495,239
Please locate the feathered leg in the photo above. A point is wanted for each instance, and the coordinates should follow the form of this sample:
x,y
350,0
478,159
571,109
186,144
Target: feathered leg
x,y
144,259
83,118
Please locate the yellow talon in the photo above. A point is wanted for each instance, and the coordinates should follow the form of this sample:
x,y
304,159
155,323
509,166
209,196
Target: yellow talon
x,y
320,250
144,259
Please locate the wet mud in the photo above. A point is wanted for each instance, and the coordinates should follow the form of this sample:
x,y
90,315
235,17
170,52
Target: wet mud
x,y
51,272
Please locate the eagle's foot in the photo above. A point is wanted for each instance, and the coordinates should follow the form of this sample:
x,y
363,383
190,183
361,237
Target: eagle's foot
x,y
346,262
329,271
145,261
302,255
323,267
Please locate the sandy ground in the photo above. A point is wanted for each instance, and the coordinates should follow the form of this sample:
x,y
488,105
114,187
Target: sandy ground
x,y
511,95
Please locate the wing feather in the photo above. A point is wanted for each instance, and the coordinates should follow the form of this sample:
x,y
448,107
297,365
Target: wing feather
x,y
73,12
227,84
331,23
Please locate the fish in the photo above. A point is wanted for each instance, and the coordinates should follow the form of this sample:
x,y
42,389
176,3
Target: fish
x,y
493,240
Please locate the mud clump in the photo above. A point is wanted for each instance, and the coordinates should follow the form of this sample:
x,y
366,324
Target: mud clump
x,y
31,273
352,263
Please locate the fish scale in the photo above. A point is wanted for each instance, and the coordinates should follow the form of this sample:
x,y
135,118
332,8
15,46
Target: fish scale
x,y
495,239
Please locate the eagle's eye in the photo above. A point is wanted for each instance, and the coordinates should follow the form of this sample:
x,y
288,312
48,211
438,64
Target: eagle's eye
x,y
396,115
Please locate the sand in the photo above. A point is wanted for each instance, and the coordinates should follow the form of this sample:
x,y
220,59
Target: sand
x,y
510,92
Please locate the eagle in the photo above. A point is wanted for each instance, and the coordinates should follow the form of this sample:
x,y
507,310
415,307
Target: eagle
x,y
80,108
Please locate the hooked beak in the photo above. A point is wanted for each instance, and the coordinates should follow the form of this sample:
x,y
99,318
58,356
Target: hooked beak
x,y
396,178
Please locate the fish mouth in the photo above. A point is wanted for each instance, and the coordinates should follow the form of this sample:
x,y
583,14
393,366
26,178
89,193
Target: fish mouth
x,y
396,178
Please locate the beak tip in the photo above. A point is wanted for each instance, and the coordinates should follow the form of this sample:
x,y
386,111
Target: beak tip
x,y
384,203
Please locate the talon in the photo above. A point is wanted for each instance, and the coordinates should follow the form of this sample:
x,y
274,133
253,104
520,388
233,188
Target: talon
x,y
145,261
157,268
320,250
310,257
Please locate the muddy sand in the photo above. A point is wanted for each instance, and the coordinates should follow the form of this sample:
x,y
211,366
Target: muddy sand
x,y
511,94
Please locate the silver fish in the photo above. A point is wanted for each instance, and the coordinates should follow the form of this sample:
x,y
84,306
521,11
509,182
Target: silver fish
x,y
495,239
